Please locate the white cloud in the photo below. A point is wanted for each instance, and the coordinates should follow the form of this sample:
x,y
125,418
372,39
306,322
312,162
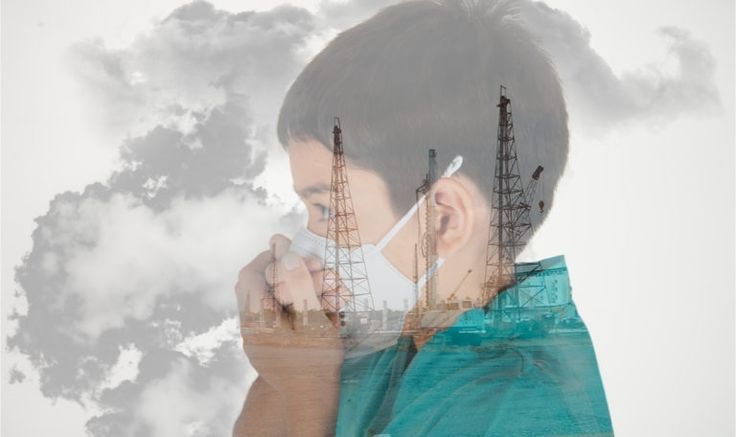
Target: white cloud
x,y
600,100
125,369
122,256
204,346
176,406
129,284
193,61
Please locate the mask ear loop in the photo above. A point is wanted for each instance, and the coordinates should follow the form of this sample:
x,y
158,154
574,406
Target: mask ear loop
x,y
454,166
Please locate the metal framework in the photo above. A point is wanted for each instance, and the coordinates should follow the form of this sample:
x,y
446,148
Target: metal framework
x,y
510,222
345,287
269,302
429,239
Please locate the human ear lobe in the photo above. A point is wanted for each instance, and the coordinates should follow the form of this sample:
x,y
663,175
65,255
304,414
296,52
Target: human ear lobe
x,y
454,216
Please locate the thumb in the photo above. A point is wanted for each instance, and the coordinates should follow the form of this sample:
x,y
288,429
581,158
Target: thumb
x,y
296,284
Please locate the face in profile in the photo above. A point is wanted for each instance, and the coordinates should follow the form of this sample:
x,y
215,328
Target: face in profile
x,y
402,91
311,170
392,243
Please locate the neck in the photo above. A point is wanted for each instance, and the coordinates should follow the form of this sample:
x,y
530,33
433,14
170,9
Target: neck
x,y
454,286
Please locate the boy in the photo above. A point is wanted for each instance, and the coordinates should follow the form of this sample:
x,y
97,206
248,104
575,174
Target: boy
x,y
418,75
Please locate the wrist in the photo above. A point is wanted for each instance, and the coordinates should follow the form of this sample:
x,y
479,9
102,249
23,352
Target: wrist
x,y
312,404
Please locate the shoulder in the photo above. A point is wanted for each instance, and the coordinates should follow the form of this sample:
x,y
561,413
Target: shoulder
x,y
543,386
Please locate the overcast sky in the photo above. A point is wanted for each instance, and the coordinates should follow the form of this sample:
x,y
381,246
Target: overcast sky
x,y
94,95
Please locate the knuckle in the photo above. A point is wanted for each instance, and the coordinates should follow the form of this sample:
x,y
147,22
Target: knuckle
x,y
253,267
279,238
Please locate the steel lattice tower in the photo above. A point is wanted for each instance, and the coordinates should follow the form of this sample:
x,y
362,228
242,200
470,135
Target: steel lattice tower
x,y
269,302
510,223
429,240
345,287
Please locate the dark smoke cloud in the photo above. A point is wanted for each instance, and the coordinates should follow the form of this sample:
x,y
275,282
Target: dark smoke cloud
x,y
133,276
599,99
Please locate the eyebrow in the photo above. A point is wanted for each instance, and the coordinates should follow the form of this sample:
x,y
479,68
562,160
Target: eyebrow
x,y
312,189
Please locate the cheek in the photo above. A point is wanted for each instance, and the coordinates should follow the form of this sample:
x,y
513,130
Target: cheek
x,y
374,214
315,222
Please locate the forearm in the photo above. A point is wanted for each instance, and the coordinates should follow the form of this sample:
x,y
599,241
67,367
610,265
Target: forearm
x,y
308,408
312,404
263,413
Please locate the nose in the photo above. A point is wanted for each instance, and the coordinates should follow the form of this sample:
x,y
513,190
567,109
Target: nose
x,y
308,244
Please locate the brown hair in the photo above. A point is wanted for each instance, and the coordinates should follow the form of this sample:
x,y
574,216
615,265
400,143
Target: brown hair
x,y
426,74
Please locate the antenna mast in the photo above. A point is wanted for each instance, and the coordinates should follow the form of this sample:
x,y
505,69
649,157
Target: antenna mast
x,y
509,225
345,287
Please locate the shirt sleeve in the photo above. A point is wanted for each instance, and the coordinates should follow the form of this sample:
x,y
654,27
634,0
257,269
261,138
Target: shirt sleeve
x,y
539,387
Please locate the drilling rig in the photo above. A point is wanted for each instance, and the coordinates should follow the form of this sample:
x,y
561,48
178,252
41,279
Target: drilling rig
x,y
346,291
510,223
269,303
429,242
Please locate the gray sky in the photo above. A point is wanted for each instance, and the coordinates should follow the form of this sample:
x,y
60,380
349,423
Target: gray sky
x,y
644,212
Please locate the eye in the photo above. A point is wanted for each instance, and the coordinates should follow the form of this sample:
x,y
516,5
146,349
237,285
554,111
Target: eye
x,y
322,210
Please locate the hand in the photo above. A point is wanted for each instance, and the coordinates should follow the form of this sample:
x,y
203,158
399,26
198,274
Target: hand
x,y
296,351
291,338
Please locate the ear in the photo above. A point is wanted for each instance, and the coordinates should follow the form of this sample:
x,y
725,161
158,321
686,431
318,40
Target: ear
x,y
455,218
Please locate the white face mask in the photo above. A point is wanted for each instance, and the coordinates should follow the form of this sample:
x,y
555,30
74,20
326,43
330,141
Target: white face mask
x,y
390,288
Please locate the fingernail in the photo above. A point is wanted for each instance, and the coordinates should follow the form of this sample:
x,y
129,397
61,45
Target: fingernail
x,y
290,261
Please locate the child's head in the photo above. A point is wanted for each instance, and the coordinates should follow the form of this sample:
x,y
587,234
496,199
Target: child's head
x,y
418,75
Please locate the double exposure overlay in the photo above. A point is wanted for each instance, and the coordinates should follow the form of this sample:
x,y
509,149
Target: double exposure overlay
x,y
426,156
371,218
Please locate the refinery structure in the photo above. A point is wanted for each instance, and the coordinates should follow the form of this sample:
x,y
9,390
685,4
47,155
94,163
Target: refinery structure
x,y
528,298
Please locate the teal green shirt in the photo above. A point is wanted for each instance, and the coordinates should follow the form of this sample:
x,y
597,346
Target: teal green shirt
x,y
490,381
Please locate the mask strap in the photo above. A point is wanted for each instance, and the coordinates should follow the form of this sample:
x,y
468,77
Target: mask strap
x,y
400,224
423,280
456,163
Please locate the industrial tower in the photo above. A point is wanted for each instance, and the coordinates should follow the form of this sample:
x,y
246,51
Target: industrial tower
x,y
510,222
428,248
345,287
429,242
269,302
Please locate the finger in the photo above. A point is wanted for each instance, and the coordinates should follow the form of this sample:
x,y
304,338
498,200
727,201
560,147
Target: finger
x,y
256,267
296,284
313,264
324,281
329,292
279,245
272,273
317,281
251,282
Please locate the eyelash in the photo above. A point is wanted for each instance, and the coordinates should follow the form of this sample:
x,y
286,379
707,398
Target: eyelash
x,y
323,211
